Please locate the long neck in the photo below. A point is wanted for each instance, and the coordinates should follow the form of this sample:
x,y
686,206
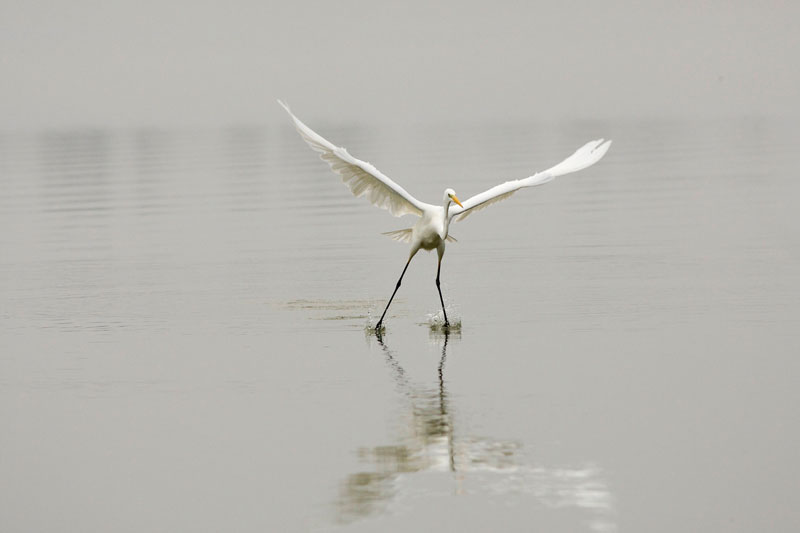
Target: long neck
x,y
447,203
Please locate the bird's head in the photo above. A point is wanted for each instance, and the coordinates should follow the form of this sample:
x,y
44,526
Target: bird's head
x,y
450,196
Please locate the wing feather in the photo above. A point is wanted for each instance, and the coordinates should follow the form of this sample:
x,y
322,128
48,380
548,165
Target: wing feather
x,y
361,178
586,156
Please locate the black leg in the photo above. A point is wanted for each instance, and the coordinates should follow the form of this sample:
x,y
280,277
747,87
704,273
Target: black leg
x,y
438,286
378,325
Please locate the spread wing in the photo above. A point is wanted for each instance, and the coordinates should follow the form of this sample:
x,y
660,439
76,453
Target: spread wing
x,y
586,156
362,178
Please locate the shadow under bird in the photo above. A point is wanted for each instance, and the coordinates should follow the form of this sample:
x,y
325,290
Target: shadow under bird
x,y
431,231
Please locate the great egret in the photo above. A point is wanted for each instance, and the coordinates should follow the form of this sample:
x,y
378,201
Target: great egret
x,y
431,231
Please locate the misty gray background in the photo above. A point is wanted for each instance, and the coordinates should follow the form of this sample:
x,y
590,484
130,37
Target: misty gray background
x,y
185,287
145,63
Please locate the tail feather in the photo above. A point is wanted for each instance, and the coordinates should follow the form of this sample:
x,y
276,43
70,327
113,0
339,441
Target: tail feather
x,y
400,235
404,235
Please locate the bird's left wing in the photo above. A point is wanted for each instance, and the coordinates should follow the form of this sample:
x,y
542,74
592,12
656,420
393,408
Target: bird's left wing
x,y
361,177
585,156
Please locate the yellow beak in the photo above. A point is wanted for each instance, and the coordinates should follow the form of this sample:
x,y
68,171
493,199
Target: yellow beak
x,y
455,199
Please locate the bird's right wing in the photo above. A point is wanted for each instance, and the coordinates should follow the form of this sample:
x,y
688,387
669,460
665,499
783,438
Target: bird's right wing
x,y
361,177
586,156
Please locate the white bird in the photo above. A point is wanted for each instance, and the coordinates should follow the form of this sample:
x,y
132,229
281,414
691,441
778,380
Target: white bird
x,y
432,229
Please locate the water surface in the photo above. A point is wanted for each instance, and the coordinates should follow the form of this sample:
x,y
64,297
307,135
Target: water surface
x,y
183,345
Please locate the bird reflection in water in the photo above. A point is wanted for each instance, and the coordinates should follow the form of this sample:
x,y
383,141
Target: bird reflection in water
x,y
430,444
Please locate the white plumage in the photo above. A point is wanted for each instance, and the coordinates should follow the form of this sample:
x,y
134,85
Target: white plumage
x,y
432,229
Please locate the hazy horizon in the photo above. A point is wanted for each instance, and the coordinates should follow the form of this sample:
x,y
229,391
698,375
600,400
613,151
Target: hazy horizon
x,y
146,63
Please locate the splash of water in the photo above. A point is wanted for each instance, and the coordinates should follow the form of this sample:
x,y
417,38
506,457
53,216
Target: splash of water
x,y
436,322
369,325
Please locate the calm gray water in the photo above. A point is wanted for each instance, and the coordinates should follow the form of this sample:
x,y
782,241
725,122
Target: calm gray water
x,y
183,344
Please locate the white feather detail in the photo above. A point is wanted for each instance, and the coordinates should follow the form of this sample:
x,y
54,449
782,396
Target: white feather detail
x,y
486,203
400,235
585,156
405,235
361,178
